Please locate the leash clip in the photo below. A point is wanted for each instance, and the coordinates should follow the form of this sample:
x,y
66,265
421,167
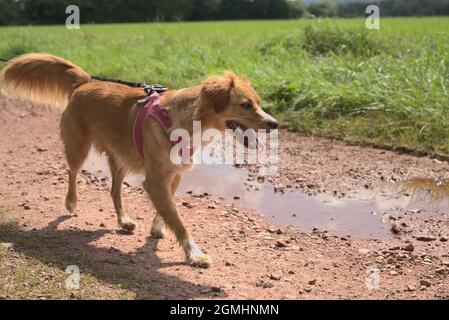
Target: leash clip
x,y
149,88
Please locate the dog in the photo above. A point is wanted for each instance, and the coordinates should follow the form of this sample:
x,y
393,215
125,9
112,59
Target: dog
x,y
102,114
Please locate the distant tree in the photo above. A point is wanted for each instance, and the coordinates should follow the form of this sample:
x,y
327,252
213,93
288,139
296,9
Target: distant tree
x,y
260,9
235,9
278,9
11,12
323,9
102,11
296,8
204,10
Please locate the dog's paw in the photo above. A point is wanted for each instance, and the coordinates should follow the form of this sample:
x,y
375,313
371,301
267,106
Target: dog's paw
x,y
127,223
70,204
158,233
203,261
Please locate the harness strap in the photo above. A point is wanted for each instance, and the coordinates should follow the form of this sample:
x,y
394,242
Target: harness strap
x,y
151,109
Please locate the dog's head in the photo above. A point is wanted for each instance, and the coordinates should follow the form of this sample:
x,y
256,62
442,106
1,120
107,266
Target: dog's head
x,y
235,104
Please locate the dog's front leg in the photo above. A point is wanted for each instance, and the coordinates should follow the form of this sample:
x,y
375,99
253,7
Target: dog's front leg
x,y
158,228
158,185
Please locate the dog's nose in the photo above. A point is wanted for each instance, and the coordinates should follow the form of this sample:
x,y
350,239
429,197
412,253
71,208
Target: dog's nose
x,y
272,124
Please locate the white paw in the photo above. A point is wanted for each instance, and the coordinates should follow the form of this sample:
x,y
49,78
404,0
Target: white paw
x,y
203,261
127,223
196,257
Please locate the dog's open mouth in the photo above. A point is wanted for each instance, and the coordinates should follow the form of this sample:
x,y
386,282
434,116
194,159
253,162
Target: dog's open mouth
x,y
247,137
235,125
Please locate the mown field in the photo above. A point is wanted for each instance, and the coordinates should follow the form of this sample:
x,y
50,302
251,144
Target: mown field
x,y
332,77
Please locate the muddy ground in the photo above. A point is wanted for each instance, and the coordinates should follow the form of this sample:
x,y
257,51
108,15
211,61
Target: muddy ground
x,y
254,257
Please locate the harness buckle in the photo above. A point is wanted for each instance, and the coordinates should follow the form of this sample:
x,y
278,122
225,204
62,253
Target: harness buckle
x,y
149,88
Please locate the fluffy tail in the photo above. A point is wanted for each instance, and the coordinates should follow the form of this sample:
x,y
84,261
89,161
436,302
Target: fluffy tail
x,y
42,78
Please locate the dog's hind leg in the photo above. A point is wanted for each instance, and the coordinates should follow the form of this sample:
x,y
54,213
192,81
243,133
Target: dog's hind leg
x,y
76,146
118,175
158,229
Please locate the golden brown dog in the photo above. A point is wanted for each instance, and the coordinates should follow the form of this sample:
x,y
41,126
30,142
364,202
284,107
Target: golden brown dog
x,y
102,114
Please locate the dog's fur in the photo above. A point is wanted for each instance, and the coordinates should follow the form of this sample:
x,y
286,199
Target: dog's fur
x,y
102,114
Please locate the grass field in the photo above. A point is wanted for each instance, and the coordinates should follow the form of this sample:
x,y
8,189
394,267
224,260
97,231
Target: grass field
x,y
332,78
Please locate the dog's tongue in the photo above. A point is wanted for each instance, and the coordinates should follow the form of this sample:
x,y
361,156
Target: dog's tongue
x,y
253,142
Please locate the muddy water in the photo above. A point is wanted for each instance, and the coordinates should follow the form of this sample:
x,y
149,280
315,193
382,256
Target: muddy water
x,y
361,215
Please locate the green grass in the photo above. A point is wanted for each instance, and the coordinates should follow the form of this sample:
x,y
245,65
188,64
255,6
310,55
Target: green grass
x,y
332,78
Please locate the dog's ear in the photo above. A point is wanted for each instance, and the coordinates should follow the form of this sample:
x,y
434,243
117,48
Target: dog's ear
x,y
216,91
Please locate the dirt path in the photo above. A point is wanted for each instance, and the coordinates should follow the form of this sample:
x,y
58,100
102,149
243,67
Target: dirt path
x,y
253,259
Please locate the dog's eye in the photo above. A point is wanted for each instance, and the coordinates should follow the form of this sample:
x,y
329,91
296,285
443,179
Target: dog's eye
x,y
247,105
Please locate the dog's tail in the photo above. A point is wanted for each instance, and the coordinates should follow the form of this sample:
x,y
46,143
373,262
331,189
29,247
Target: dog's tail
x,y
42,78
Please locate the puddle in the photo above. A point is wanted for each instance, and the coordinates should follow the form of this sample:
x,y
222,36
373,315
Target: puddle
x,y
360,216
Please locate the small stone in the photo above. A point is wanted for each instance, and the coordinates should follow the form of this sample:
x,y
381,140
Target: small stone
x,y
307,289
188,206
363,251
216,289
280,244
441,270
267,285
279,231
425,282
443,239
228,264
393,273
409,247
312,282
275,277
395,228
411,288
425,238
25,205
211,207
237,197
102,225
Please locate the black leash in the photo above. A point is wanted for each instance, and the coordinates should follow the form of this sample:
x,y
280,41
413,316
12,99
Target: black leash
x,y
148,87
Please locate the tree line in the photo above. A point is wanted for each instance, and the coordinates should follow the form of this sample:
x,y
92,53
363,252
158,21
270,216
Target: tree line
x,y
391,8
16,12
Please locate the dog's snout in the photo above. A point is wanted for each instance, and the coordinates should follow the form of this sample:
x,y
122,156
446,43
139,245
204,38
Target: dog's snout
x,y
272,124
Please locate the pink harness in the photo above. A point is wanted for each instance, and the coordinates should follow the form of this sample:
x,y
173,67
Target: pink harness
x,y
153,109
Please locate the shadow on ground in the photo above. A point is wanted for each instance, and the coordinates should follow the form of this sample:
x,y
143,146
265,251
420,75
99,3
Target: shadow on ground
x,y
138,272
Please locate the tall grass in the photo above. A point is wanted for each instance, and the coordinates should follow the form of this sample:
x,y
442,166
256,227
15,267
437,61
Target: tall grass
x,y
330,77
